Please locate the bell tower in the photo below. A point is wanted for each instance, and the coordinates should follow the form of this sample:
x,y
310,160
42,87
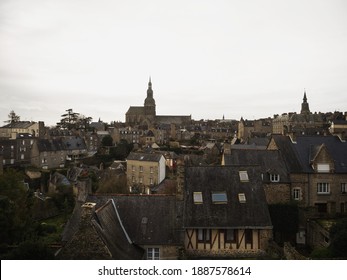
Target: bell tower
x,y
149,101
304,105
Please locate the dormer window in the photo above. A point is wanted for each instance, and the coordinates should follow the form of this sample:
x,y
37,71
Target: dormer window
x,y
243,176
242,198
323,167
219,198
197,197
274,178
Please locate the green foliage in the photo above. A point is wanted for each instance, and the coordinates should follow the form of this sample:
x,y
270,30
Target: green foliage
x,y
320,253
107,141
122,150
338,237
16,208
30,250
285,220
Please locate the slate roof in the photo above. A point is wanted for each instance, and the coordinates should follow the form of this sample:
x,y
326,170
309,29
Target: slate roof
x,y
20,124
45,145
74,143
306,148
136,110
252,214
61,144
269,161
110,226
299,154
148,219
154,157
285,146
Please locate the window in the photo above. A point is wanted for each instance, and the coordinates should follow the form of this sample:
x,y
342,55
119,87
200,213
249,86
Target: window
x,y
242,198
151,181
197,197
133,179
204,235
323,188
153,253
274,177
219,198
22,156
140,180
343,188
321,207
297,194
133,168
323,167
141,168
230,235
151,169
243,176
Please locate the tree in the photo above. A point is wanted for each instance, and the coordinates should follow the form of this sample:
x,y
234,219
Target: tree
x,y
338,237
73,120
13,117
15,208
107,141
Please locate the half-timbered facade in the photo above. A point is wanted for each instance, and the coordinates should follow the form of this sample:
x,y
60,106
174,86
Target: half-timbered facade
x,y
225,212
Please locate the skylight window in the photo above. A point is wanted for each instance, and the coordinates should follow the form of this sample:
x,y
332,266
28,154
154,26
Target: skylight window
x,y
243,176
242,198
197,197
219,198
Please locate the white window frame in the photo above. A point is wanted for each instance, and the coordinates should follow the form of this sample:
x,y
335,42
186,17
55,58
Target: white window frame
x,y
323,167
274,178
141,168
297,194
153,253
243,176
197,198
323,188
242,198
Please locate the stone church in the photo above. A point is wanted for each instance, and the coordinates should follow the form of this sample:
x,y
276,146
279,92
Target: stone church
x,y
146,115
305,122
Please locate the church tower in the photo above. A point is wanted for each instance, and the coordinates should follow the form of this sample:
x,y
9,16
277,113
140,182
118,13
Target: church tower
x,y
304,105
150,102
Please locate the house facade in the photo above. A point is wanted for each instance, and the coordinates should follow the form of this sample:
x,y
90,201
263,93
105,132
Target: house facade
x,y
225,212
318,172
34,128
144,171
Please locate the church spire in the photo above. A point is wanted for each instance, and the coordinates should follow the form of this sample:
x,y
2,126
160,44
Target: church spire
x,y
149,101
304,105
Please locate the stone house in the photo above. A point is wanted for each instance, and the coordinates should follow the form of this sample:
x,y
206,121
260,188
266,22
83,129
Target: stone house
x,y
144,171
17,149
36,129
225,212
318,171
250,128
48,154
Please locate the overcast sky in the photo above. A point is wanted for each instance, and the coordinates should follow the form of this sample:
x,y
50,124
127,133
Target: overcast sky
x,y
249,59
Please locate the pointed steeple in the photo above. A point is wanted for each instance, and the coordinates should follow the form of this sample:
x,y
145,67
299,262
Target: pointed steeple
x,y
149,101
304,105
